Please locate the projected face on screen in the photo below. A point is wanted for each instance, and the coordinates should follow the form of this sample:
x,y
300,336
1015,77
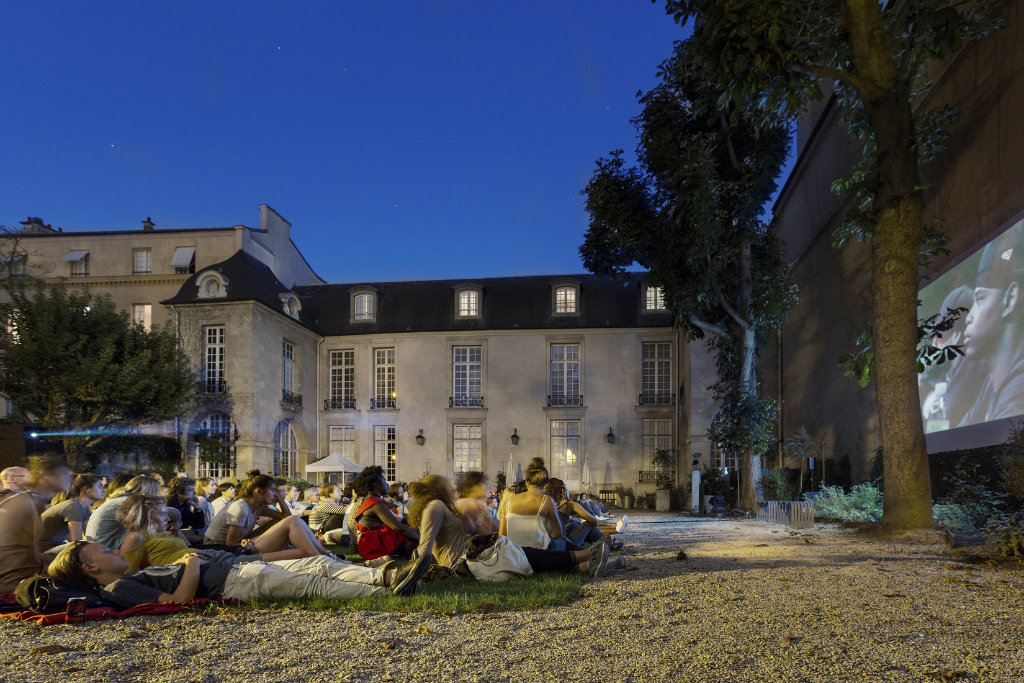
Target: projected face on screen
x,y
987,382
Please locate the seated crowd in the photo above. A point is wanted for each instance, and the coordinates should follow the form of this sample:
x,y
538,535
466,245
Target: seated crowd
x,y
142,541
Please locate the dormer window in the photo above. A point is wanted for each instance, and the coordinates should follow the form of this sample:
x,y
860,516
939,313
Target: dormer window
x,y
364,305
467,302
212,285
654,299
565,298
292,305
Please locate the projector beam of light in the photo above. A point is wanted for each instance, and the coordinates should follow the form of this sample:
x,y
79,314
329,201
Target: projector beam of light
x,y
86,432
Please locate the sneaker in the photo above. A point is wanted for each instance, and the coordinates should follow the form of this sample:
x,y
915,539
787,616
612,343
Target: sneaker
x,y
614,564
598,557
621,525
407,577
616,545
379,562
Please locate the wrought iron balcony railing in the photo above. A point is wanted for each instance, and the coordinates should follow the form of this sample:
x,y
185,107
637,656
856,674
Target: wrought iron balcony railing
x,y
465,401
291,398
565,400
381,403
340,404
661,398
211,386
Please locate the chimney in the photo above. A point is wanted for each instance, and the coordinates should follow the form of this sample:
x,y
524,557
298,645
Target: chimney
x,y
148,224
35,226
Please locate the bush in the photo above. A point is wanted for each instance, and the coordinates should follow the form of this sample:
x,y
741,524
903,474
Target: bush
x,y
1011,462
1006,534
971,490
953,517
777,485
862,504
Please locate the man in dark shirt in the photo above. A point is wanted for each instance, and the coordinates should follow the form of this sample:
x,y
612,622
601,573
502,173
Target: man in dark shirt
x,y
183,498
194,576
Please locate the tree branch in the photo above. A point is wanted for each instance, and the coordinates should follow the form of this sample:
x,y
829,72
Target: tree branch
x,y
745,324
710,327
856,82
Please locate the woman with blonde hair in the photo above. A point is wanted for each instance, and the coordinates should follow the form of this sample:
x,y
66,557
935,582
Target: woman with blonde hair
x,y
147,542
103,526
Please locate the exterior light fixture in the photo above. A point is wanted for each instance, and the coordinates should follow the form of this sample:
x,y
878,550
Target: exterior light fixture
x,y
610,436
515,436
420,439
696,460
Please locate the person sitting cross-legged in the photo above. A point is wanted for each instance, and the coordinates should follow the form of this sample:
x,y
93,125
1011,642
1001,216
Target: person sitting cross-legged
x,y
193,576
378,532
327,517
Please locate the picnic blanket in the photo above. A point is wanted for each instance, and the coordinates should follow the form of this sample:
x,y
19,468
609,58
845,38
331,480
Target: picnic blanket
x,y
95,614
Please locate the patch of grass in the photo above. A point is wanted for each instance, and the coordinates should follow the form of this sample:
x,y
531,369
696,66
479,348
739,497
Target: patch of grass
x,y
453,596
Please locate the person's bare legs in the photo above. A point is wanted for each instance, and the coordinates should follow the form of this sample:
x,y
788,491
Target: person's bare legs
x,y
291,531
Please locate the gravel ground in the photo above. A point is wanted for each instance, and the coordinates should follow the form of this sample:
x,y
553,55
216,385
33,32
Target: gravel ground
x,y
750,602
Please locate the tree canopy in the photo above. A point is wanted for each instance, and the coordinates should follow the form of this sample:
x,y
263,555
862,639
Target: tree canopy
x,y
79,368
690,214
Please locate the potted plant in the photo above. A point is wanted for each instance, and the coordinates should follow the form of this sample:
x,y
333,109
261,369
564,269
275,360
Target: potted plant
x,y
665,476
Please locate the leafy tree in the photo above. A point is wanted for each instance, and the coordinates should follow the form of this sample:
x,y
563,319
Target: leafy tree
x,y
876,54
690,215
78,367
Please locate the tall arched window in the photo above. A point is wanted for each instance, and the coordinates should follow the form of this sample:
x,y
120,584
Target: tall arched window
x,y
213,447
286,451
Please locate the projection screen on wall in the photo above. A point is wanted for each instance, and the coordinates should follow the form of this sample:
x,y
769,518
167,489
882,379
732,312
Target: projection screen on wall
x,y
987,382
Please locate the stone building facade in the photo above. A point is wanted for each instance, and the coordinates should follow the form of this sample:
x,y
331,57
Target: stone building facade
x,y
436,376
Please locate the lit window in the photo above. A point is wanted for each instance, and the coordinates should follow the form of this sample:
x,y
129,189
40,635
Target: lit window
x,y
565,300
654,299
565,449
467,448
142,314
142,261
469,303
363,307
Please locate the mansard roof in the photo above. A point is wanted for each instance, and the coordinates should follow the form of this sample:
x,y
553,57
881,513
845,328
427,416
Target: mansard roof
x,y
506,303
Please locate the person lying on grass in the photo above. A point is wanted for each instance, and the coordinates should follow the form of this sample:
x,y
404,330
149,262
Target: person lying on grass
x,y
193,576
284,537
378,532
443,534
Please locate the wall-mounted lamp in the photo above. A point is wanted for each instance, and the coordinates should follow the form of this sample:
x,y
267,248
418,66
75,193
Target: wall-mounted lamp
x,y
420,439
610,436
515,436
696,459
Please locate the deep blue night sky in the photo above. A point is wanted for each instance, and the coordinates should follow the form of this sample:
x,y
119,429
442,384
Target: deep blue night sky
x,y
401,140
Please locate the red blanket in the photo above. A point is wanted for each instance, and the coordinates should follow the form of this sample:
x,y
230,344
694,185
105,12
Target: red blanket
x,y
98,613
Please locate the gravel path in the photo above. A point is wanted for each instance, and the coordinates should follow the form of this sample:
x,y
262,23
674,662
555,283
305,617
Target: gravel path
x,y
751,602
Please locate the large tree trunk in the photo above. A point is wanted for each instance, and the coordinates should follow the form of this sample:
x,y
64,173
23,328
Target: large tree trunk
x,y
895,244
751,492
